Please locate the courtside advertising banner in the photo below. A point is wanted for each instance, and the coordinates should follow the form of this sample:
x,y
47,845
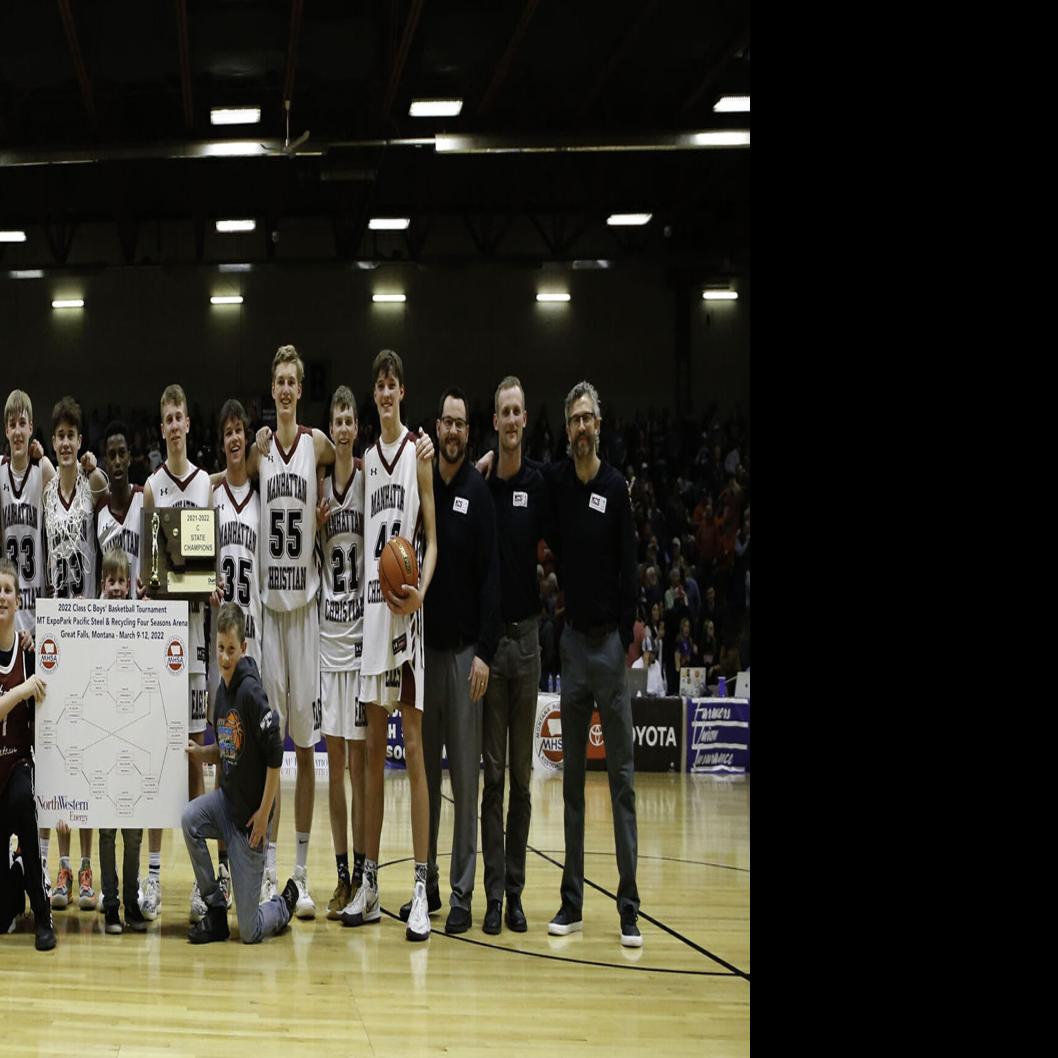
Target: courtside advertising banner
x,y
718,735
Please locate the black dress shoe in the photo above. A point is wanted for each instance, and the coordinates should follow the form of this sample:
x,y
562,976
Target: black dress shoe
x,y
45,936
491,925
515,914
433,902
458,920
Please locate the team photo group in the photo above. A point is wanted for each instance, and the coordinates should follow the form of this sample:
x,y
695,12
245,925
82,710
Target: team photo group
x,y
343,589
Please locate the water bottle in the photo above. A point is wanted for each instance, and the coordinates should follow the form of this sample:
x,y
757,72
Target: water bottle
x,y
558,684
721,687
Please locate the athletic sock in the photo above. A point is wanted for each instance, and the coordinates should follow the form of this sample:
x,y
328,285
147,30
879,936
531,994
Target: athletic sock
x,y
371,874
222,855
270,857
64,861
86,863
45,843
154,865
342,859
358,868
301,854
420,873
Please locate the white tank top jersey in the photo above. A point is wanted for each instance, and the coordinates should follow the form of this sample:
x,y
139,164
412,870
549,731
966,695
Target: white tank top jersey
x,y
289,577
22,503
341,543
77,576
238,523
112,532
391,508
193,491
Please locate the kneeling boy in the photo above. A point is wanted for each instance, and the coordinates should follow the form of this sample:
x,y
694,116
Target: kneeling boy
x,y
239,812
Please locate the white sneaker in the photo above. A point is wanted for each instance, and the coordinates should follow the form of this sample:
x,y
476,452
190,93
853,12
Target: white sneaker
x,y
306,906
268,886
224,880
198,905
419,916
363,908
151,902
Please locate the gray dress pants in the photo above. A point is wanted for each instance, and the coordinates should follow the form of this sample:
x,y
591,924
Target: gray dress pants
x,y
510,709
593,672
452,721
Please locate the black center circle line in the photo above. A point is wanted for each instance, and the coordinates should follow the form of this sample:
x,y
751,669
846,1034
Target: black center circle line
x,y
733,970
567,958
662,859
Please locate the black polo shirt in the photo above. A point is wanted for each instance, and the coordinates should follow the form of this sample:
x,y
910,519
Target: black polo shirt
x,y
523,512
463,603
595,546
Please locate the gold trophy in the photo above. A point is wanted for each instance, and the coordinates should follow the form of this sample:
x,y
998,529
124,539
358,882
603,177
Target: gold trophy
x,y
184,548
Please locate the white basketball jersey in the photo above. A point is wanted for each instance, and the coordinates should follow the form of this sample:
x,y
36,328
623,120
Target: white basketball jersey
x,y
192,491
112,532
22,503
391,508
238,523
73,577
341,542
289,577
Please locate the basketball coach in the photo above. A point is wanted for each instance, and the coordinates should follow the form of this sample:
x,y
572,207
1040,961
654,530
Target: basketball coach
x,y
595,548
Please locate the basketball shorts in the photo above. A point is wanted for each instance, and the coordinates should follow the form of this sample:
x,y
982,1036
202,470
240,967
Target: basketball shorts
x,y
396,688
291,643
197,697
343,715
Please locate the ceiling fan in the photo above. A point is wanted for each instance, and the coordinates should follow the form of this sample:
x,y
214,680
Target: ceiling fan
x,y
290,149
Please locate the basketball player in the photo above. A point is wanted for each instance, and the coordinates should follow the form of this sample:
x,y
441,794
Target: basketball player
x,y
238,508
341,544
287,464
21,693
119,520
398,502
22,506
68,499
179,483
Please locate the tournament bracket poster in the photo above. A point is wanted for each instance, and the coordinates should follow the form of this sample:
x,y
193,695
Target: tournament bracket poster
x,y
111,732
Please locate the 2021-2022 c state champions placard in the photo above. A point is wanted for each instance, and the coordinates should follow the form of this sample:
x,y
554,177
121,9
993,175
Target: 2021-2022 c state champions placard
x,y
111,733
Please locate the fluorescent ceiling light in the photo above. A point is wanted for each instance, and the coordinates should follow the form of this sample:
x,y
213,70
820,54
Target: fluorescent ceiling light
x,y
736,138
720,295
68,303
234,115
389,223
552,297
12,236
435,108
731,105
236,225
235,268
226,299
233,149
628,220
590,264
27,273
389,298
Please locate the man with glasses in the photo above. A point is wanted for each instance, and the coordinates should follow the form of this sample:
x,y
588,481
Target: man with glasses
x,y
596,551
462,628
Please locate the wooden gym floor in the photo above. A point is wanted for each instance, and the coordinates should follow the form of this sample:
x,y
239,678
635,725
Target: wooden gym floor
x,y
322,989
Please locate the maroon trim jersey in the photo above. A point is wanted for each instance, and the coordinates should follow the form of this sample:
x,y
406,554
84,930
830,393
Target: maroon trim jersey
x,y
16,729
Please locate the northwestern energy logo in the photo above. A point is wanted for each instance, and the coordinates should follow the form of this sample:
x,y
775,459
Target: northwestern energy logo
x,y
49,654
61,803
175,656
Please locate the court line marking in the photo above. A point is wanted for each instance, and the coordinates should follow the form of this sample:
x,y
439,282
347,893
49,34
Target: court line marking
x,y
666,859
733,971
562,958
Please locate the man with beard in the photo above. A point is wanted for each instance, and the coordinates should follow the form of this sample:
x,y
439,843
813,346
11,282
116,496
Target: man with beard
x,y
596,550
462,628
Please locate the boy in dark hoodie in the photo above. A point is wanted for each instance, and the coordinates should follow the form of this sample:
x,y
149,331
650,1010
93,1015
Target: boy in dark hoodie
x,y
249,751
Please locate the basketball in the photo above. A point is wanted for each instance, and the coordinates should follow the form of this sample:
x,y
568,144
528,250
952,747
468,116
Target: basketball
x,y
398,565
